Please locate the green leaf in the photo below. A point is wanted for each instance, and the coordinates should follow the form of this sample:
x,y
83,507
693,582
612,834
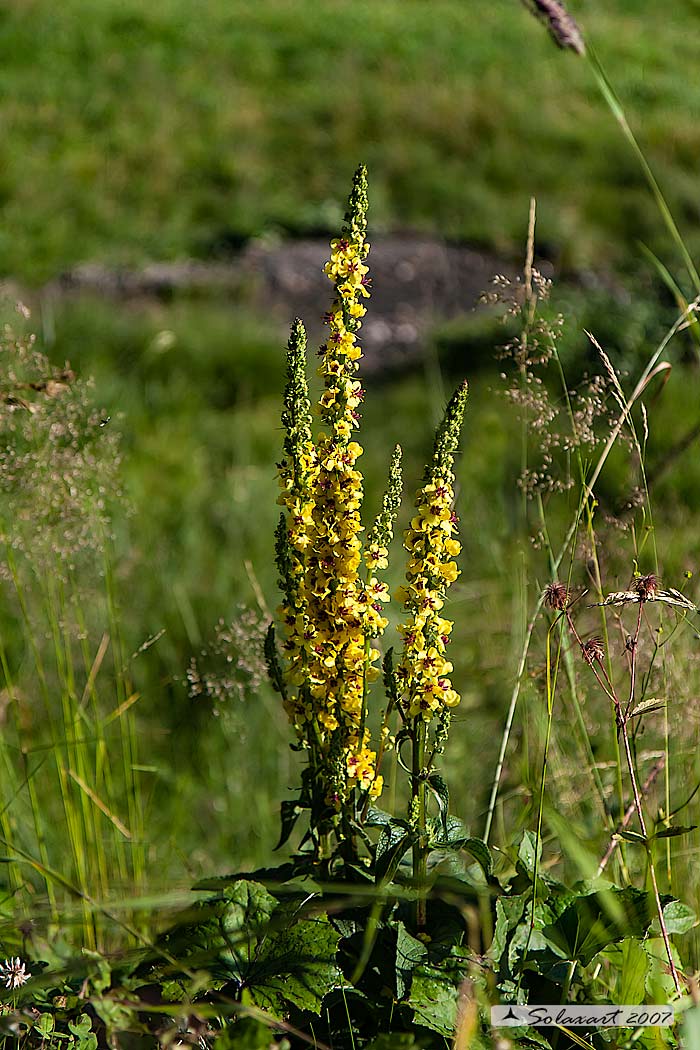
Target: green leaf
x,y
672,833
247,1033
82,1030
529,853
509,911
434,1000
632,836
690,1030
377,818
393,843
289,814
635,963
678,918
456,833
297,966
530,949
478,849
117,1018
44,1025
409,953
221,934
439,788
659,981
81,1027
591,922
645,707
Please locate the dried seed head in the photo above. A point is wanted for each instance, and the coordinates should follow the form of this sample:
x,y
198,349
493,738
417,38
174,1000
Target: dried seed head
x,y
593,651
646,586
556,596
562,27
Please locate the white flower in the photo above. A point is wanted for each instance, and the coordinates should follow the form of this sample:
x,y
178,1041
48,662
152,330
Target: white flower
x,y
13,973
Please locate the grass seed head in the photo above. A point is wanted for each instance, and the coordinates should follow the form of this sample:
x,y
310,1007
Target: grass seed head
x,y
562,27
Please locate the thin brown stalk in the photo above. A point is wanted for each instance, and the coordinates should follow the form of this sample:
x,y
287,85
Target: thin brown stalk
x,y
652,870
629,813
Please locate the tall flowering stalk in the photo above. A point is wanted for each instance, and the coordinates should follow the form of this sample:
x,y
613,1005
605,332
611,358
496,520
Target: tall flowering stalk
x,y
333,596
331,611
424,690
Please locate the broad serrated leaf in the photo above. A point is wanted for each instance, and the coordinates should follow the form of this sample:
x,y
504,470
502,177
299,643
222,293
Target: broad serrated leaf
x,y
409,953
346,927
456,832
289,814
296,966
221,934
434,1000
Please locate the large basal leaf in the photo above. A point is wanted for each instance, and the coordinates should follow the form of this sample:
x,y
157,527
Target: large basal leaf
x,y
409,953
434,1000
295,966
222,933
591,922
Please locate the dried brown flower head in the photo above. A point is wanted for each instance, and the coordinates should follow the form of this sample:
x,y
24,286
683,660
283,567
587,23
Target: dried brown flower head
x,y
556,596
593,651
562,27
646,586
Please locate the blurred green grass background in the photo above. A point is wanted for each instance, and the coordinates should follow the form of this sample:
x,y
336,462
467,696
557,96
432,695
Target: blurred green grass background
x,y
133,133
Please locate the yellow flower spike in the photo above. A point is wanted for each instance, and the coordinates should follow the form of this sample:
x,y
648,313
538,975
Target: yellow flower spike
x,y
429,572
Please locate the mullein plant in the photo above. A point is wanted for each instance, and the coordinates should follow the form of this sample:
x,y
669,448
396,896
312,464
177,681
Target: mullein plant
x,y
334,599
